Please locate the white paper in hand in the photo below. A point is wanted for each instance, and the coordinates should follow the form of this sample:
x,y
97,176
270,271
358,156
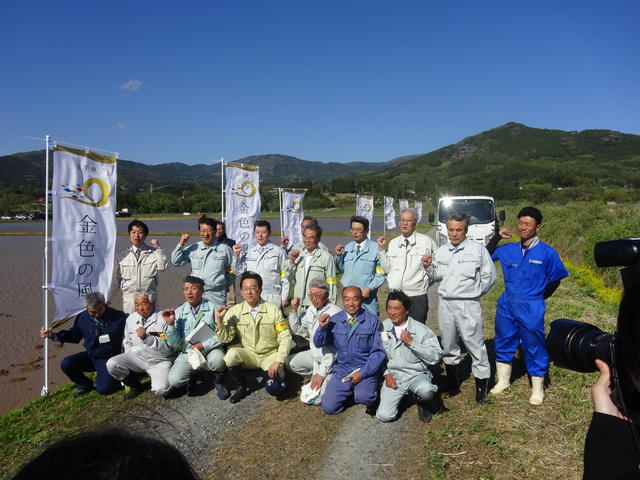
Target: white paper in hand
x,y
200,334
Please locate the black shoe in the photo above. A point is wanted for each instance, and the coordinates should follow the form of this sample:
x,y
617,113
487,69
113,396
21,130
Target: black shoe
x,y
424,414
481,389
81,391
221,389
237,377
239,394
371,410
427,409
133,388
451,385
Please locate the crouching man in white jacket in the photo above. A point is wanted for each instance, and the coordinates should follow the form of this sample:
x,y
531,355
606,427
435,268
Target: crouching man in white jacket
x,y
145,349
317,362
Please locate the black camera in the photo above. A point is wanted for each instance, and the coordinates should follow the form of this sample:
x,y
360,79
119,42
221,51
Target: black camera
x,y
576,345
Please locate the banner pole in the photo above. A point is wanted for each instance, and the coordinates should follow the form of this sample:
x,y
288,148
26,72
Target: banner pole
x,y
45,269
222,189
281,214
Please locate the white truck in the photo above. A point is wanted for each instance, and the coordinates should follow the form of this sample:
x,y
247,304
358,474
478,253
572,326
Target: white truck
x,y
483,223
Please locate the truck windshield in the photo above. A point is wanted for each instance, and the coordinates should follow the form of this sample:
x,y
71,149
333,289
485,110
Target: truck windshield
x,y
479,210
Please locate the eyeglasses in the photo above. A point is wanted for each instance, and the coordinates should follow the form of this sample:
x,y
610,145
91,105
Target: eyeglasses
x,y
316,295
250,289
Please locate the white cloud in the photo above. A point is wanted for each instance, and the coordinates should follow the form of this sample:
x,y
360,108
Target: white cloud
x,y
131,85
121,125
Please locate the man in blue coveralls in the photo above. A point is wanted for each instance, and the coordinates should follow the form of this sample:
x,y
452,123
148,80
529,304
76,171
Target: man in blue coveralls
x,y
354,333
532,272
360,262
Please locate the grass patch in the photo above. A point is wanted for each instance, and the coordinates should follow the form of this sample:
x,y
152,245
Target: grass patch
x,y
28,430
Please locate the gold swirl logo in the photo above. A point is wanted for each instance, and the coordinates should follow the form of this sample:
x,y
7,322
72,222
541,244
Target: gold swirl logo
x,y
105,191
246,189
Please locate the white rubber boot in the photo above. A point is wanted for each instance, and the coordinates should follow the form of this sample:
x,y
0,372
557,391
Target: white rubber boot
x,y
503,371
537,391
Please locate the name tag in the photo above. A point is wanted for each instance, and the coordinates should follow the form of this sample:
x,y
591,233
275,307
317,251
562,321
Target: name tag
x,y
384,336
104,338
539,262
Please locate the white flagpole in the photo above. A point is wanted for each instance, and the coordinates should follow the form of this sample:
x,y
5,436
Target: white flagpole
x,y
222,188
45,269
281,215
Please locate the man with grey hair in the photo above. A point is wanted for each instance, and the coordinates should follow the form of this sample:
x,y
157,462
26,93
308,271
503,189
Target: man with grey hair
x,y
403,263
145,349
101,327
466,272
315,362
296,247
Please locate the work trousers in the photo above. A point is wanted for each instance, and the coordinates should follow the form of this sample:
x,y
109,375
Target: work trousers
x,y
463,319
338,392
522,319
303,364
419,308
390,398
124,364
247,359
181,370
75,366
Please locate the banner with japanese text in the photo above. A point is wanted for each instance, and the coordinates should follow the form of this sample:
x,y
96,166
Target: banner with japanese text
x,y
403,204
84,229
389,214
242,202
292,213
418,207
364,208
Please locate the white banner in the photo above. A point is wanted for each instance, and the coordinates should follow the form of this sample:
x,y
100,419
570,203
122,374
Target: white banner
x,y
418,207
242,205
364,208
292,213
389,214
403,204
84,228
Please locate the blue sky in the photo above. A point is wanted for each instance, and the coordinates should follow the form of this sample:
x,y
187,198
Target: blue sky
x,y
326,80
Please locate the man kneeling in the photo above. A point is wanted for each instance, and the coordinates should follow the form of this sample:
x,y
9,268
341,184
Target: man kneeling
x,y
181,323
316,362
411,347
354,333
145,349
265,338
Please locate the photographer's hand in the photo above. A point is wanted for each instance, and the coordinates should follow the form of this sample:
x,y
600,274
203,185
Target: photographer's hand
x,y
601,392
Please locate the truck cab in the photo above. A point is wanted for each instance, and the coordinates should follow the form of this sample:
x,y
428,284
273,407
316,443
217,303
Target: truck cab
x,y
483,223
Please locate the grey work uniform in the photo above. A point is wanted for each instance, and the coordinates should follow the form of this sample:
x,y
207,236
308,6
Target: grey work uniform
x,y
408,364
465,272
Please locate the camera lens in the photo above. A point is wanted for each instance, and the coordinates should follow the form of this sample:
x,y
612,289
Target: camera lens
x,y
576,345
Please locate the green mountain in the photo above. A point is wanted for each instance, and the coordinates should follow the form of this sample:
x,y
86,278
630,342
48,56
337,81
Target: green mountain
x,y
515,161
26,171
